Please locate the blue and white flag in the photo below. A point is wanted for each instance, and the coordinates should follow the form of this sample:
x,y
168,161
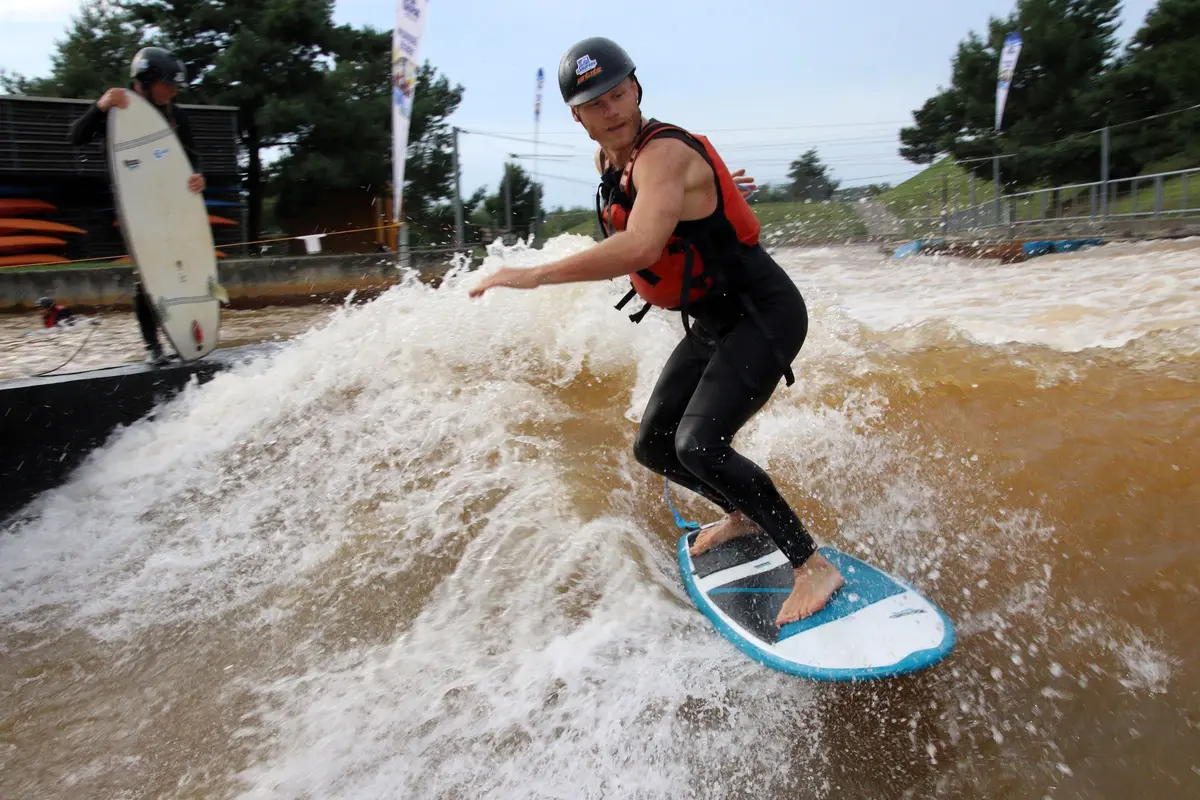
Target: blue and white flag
x,y
406,45
537,99
1008,65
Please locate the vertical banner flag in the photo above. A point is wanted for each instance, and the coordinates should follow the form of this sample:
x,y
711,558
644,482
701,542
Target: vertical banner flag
x,y
537,116
537,98
406,44
1008,65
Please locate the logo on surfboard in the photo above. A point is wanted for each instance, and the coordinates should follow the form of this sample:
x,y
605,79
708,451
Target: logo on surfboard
x,y
197,335
907,612
132,163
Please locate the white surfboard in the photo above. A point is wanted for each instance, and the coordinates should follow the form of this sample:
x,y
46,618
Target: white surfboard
x,y
875,626
165,226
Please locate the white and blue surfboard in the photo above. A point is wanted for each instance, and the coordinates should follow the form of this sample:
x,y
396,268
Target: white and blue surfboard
x,y
875,626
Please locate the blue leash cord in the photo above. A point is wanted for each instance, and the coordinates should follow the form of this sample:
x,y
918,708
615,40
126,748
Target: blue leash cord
x,y
680,522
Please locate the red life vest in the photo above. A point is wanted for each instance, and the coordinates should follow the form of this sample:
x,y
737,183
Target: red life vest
x,y
687,268
53,315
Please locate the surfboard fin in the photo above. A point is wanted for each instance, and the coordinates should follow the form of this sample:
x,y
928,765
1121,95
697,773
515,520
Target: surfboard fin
x,y
218,291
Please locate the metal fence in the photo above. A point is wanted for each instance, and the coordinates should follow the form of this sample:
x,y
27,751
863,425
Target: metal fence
x,y
1158,196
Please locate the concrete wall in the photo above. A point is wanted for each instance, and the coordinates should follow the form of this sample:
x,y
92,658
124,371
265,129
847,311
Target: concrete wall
x,y
251,283
49,425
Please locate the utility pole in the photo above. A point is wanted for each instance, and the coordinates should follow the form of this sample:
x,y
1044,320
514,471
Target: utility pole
x,y
458,209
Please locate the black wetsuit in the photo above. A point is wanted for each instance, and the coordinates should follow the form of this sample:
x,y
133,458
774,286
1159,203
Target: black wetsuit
x,y
746,327
716,379
93,123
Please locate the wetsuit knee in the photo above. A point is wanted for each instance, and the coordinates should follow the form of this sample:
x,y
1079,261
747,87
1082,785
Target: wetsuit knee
x,y
697,449
642,449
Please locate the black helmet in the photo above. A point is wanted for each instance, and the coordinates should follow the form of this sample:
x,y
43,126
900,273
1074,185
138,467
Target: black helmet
x,y
156,64
45,302
591,68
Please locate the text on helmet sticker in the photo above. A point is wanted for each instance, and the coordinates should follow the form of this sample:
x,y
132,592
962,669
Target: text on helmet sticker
x,y
585,64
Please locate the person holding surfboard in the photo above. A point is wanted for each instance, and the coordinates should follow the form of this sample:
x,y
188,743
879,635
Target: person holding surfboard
x,y
677,224
156,75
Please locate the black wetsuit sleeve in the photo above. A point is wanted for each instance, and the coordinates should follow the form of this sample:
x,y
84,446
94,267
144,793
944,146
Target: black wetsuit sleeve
x,y
88,126
183,128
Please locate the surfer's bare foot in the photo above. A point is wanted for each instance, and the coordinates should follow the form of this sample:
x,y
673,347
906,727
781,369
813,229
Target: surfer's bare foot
x,y
816,582
735,525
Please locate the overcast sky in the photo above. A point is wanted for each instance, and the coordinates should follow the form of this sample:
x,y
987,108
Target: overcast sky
x,y
764,79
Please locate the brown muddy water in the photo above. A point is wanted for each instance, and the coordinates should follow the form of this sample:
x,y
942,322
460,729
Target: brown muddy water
x,y
411,555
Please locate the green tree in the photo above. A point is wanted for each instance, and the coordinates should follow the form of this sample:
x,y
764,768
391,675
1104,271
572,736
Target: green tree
x,y
92,57
266,57
1157,74
772,193
559,220
523,194
1056,93
810,178
429,164
346,140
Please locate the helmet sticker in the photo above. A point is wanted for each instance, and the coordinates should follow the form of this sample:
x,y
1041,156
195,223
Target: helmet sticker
x,y
585,64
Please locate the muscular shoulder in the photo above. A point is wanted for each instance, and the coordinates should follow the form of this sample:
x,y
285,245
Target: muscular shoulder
x,y
670,160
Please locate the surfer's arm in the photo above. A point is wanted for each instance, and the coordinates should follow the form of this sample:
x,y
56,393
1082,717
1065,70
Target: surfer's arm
x,y
85,129
661,176
92,123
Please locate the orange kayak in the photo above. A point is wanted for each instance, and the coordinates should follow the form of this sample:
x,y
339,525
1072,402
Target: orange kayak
x,y
36,226
25,259
24,244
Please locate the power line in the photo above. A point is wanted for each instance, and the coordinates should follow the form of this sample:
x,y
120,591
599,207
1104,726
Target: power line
x,y
1152,116
515,139
736,130
570,180
1084,134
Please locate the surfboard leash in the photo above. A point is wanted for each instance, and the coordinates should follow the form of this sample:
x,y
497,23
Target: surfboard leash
x,y
680,522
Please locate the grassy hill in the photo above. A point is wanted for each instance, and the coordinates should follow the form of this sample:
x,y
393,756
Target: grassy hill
x,y
785,223
808,223
921,195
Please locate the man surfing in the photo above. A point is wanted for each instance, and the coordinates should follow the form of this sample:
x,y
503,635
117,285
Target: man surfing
x,y
678,225
157,76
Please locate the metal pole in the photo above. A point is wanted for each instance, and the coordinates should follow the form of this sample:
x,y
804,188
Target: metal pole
x,y
945,200
405,260
508,199
996,187
458,209
1104,172
537,195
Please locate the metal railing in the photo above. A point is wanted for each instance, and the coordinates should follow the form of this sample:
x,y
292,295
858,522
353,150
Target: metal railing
x,y
1157,196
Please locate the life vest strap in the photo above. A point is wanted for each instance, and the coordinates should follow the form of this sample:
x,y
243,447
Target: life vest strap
x,y
636,317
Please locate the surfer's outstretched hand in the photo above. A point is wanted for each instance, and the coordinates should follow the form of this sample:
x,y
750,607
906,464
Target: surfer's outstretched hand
x,y
745,184
196,183
512,277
